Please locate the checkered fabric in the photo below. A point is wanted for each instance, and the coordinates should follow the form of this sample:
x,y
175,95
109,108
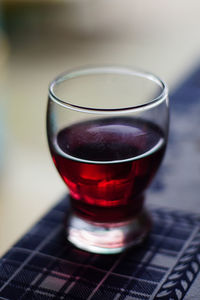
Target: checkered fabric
x,y
44,266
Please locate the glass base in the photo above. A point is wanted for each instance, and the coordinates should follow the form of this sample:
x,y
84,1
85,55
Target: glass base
x,y
108,238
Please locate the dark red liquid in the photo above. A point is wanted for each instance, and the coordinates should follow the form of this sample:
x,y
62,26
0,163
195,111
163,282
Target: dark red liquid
x,y
107,164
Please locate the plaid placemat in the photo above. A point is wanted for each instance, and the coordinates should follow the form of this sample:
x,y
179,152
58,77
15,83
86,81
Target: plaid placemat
x,y
44,266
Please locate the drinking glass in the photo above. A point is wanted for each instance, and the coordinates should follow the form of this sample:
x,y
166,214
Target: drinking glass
x,y
107,131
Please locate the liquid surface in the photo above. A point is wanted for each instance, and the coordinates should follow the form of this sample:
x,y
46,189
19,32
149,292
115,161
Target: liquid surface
x,y
107,164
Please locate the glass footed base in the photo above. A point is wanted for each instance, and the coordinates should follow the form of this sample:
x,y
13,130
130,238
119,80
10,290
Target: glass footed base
x,y
108,238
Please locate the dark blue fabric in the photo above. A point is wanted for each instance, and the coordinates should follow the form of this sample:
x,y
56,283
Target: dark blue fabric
x,y
43,265
55,269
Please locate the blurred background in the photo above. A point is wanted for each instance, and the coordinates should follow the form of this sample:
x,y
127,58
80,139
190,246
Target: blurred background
x,y
40,39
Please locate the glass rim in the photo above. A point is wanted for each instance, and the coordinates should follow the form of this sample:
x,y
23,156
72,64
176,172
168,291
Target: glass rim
x,y
105,69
